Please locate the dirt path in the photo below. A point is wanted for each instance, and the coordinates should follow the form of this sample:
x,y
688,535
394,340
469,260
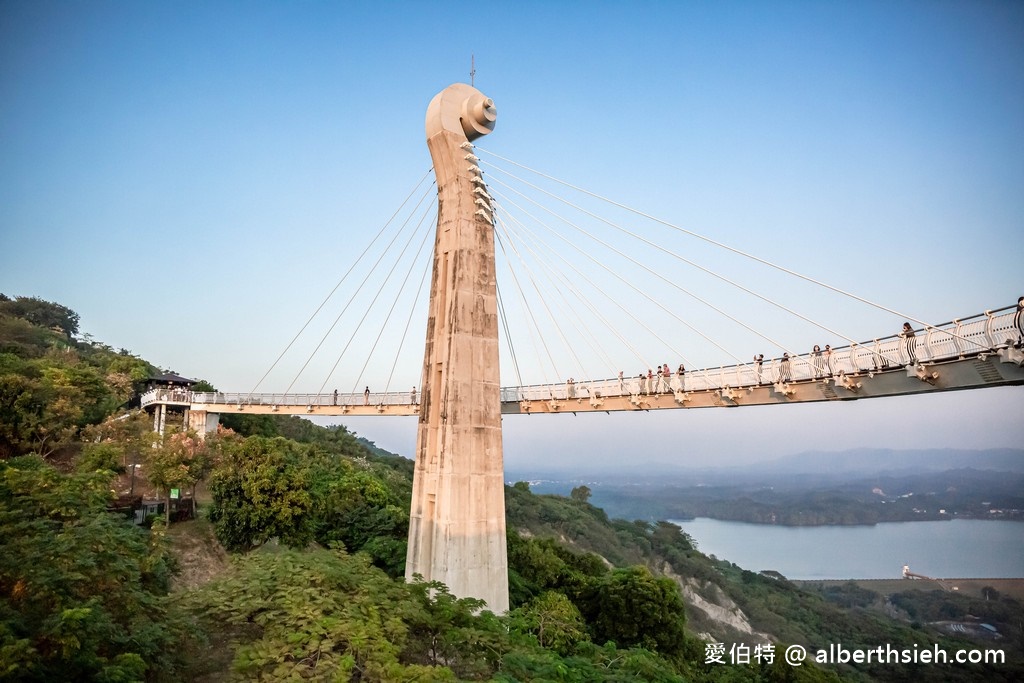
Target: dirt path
x,y
199,553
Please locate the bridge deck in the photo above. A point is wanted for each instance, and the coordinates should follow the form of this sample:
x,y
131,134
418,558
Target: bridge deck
x,y
972,353
1001,368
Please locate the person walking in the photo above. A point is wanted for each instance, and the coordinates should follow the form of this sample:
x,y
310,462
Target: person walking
x,y
784,374
412,396
1018,321
758,363
819,368
366,396
909,343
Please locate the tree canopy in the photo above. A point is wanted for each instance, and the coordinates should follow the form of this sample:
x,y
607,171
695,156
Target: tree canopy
x,y
82,593
42,313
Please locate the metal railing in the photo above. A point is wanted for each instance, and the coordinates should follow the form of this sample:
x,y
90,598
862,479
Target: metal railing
x,y
951,340
162,395
955,339
393,398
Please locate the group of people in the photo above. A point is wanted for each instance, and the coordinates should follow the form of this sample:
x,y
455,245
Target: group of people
x,y
822,361
785,373
658,381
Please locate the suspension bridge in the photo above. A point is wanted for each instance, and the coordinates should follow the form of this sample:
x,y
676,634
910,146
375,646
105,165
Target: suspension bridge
x,y
457,519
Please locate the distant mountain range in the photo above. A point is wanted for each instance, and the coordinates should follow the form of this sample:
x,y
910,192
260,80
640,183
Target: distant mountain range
x,y
862,486
801,469
876,461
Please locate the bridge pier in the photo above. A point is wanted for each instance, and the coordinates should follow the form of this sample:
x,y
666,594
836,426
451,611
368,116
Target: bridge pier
x,y
457,517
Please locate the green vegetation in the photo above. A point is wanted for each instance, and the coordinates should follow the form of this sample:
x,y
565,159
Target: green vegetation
x,y
83,595
53,385
316,520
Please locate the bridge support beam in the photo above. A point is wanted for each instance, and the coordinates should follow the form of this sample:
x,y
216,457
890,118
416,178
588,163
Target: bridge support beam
x,y
457,518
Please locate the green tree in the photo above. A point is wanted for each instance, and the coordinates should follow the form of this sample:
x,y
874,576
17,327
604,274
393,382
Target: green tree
x,y
203,386
82,592
261,490
62,402
553,619
129,436
355,506
448,631
42,313
319,615
633,607
97,457
19,414
580,493
177,460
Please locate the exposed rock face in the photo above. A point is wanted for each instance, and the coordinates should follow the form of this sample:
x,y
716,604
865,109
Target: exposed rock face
x,y
712,614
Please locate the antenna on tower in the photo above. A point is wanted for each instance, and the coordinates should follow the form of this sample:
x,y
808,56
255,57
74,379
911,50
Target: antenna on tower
x,y
472,68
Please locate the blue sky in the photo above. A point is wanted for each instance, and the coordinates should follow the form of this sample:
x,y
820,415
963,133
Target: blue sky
x,y
193,178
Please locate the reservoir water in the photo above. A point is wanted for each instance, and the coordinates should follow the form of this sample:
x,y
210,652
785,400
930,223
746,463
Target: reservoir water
x,y
961,548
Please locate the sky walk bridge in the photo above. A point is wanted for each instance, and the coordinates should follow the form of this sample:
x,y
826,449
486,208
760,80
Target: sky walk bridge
x,y
969,353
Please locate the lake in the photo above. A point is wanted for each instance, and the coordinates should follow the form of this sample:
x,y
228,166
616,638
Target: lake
x,y
961,548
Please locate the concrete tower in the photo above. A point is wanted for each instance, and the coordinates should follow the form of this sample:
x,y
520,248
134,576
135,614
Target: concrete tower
x,y
457,520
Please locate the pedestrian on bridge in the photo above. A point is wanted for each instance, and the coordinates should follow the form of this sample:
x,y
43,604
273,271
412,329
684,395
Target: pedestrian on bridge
x,y
909,343
412,396
335,397
366,396
758,362
784,374
819,368
1018,321
828,360
681,374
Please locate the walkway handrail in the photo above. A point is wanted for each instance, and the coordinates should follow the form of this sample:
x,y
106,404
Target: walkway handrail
x,y
955,339
950,340
279,399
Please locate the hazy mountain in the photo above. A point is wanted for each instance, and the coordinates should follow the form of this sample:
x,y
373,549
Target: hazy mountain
x,y
876,460
794,471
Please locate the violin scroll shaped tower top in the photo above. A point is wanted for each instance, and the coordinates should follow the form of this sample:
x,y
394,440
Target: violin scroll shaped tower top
x,y
463,110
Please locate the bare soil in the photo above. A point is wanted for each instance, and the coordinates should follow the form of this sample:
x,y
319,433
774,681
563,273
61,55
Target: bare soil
x,y
200,555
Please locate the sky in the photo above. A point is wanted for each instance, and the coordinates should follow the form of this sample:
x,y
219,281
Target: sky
x,y
194,178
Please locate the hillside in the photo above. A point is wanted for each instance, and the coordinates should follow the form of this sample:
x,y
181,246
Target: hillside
x,y
726,603
294,569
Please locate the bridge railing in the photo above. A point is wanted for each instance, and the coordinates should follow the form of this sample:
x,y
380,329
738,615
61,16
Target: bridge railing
x,y
161,395
950,340
310,400
954,339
